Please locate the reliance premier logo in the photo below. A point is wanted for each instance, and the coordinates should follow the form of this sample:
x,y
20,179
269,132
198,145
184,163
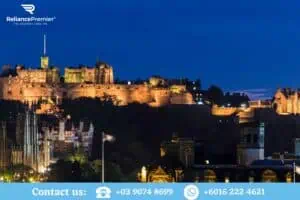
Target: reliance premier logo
x,y
35,21
29,8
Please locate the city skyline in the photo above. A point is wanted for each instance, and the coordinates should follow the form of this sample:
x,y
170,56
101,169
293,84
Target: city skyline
x,y
246,42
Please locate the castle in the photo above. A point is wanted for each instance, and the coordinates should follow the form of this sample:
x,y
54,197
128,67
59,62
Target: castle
x,y
286,101
45,84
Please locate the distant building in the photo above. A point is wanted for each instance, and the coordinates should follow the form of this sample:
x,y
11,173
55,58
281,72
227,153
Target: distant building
x,y
17,155
86,135
286,101
66,136
31,141
297,146
251,146
4,157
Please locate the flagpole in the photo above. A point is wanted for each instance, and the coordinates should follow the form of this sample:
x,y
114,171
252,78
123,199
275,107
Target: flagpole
x,y
102,157
294,166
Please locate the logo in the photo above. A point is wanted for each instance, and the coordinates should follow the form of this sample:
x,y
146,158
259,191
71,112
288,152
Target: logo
x,y
29,8
103,193
30,20
191,192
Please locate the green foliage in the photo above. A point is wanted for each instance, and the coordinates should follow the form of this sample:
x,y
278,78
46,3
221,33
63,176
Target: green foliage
x,y
78,156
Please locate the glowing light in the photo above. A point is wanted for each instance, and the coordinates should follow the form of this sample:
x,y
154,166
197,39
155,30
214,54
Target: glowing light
x,y
207,162
43,170
243,105
144,174
31,179
227,180
200,103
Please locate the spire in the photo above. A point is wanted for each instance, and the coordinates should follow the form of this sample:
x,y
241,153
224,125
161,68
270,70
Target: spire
x,y
45,44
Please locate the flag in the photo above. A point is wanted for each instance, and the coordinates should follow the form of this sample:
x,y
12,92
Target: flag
x,y
107,137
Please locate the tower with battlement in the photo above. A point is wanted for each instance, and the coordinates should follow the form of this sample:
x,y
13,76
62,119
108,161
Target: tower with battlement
x,y
44,57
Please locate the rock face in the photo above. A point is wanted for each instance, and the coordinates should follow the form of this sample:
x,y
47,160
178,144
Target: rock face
x,y
43,84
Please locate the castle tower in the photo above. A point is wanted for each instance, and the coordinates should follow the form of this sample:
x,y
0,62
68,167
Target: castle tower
x,y
45,58
251,146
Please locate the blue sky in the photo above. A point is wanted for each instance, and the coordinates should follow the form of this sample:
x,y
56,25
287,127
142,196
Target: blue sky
x,y
238,45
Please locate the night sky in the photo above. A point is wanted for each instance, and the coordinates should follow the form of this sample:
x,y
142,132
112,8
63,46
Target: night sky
x,y
251,45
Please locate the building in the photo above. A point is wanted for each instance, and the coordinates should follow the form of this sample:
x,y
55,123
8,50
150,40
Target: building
x,y
297,146
101,74
31,141
86,135
17,155
156,175
45,152
4,154
251,146
286,101
182,149
65,136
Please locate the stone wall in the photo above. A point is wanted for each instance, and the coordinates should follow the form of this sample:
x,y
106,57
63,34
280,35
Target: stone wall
x,y
125,94
13,88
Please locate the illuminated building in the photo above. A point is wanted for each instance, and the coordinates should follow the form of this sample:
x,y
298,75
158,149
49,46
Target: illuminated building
x,y
31,141
45,152
66,136
101,74
160,174
286,101
17,155
4,161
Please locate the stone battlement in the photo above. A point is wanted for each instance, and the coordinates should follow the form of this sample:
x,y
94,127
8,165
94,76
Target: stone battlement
x,y
15,88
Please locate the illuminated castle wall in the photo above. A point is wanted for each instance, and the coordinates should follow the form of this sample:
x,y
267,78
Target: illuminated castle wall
x,y
32,85
16,88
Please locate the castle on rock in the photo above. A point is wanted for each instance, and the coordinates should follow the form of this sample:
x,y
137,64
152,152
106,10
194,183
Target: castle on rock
x,y
46,84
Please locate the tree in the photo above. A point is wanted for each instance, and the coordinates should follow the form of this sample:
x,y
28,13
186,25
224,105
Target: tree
x,y
215,94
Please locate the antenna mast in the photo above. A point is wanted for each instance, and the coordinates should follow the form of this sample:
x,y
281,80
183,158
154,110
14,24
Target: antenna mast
x,y
45,45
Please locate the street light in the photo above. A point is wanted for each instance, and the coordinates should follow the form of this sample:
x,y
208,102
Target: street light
x,y
109,138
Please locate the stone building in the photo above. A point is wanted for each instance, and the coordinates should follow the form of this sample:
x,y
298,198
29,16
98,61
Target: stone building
x,y
4,154
102,73
251,146
286,101
31,141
